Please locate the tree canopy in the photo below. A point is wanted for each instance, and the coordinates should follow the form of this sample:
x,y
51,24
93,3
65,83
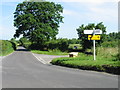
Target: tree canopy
x,y
84,37
37,21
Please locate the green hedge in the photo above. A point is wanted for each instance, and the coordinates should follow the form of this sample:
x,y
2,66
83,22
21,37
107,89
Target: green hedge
x,y
6,47
60,44
110,44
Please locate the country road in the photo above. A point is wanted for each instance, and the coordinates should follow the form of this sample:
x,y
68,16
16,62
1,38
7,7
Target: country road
x,y
22,70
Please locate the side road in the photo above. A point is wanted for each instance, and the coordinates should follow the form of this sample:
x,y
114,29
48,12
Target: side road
x,y
46,59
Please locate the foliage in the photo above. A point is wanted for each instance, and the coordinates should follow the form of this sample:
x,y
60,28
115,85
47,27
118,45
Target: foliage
x,y
74,41
23,40
117,57
37,21
114,36
60,44
6,47
14,43
84,37
110,44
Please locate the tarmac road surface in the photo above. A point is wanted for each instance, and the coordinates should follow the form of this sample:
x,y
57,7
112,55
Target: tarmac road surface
x,y
21,69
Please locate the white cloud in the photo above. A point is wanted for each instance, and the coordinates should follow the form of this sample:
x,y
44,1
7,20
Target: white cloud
x,y
106,14
6,32
69,12
102,12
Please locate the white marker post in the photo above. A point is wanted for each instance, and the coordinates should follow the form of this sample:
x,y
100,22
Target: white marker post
x,y
94,45
94,32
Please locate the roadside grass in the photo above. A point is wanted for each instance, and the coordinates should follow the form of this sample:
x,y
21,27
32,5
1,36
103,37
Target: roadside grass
x,y
5,48
6,53
105,61
85,61
50,52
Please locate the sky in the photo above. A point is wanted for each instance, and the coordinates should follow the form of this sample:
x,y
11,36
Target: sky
x,y
75,13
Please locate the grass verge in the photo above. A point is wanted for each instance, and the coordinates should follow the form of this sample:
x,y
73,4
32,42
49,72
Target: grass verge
x,y
49,52
86,62
6,47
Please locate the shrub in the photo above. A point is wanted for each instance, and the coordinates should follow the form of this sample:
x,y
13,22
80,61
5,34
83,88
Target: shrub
x,y
117,57
74,41
110,44
6,47
14,43
60,44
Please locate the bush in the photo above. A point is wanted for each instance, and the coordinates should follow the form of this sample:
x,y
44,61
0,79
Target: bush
x,y
74,41
110,44
60,44
6,47
117,57
34,46
14,43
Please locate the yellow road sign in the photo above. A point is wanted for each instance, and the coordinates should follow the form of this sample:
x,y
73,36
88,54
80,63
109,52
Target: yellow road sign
x,y
93,37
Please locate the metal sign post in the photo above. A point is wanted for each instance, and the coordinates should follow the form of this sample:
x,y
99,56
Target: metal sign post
x,y
94,37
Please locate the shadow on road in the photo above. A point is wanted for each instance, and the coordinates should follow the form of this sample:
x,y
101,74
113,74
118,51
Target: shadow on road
x,y
20,48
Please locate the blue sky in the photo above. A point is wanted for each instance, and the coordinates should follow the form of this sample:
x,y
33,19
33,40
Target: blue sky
x,y
76,12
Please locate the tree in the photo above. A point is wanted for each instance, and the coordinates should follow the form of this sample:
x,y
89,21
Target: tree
x,y
37,21
84,37
23,40
114,36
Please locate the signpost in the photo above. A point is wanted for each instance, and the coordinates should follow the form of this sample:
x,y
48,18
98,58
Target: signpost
x,y
93,37
97,31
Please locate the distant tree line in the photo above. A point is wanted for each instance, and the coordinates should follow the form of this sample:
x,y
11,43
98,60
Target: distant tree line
x,y
114,36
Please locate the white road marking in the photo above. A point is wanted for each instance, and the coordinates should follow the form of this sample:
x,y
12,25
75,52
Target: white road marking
x,y
40,59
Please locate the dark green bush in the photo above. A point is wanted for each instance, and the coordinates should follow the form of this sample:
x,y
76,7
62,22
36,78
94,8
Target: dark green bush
x,y
14,43
34,46
60,44
117,57
74,41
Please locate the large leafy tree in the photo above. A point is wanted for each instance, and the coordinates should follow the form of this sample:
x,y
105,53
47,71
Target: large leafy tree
x,y
37,21
84,37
